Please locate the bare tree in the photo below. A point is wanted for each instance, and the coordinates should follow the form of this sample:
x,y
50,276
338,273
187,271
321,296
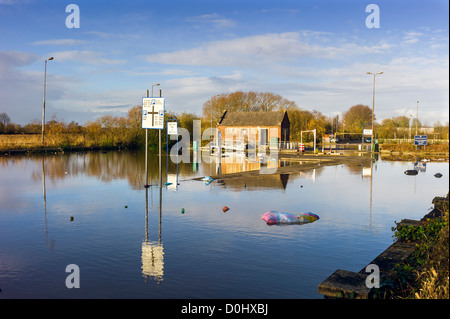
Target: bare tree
x,y
4,119
244,102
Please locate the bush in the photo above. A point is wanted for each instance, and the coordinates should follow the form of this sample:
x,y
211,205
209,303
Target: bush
x,y
425,273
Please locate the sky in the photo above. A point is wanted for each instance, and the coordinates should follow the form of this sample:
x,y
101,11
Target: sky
x,y
315,53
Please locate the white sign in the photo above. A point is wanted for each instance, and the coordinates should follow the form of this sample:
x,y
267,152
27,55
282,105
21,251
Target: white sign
x,y
153,113
172,128
367,131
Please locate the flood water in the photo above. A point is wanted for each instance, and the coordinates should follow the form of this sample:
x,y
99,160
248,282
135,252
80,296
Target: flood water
x,y
92,210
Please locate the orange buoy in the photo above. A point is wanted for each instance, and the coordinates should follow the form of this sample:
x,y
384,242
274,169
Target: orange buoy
x,y
225,209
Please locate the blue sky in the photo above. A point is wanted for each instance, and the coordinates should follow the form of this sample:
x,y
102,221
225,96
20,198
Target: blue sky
x,y
315,53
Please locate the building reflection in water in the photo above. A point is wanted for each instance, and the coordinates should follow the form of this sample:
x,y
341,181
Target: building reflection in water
x,y
153,251
367,172
236,162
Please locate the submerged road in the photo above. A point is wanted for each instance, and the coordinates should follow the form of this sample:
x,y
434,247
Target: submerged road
x,y
301,163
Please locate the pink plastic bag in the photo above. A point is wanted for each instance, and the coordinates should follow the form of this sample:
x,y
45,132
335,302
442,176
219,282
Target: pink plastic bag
x,y
275,218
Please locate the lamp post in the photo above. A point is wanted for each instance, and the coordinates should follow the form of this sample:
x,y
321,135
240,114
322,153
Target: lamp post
x,y
157,84
410,120
43,105
373,107
211,130
417,115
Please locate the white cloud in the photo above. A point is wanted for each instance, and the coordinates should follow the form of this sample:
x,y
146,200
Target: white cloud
x,y
411,37
16,58
336,89
22,90
200,85
101,34
254,50
69,42
12,2
189,93
86,56
213,19
99,101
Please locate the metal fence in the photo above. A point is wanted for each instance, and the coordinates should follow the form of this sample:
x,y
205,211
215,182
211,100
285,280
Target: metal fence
x,y
410,141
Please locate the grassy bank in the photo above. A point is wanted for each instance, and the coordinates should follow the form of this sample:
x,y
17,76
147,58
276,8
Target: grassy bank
x,y
425,275
32,142
433,148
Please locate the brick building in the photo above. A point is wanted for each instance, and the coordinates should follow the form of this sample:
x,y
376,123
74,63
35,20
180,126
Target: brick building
x,y
264,128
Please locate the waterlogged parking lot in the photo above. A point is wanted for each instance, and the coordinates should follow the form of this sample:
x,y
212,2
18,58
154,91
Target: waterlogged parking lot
x,y
90,211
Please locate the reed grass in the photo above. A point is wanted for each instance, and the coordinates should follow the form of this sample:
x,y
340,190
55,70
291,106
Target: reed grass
x,y
34,141
424,275
434,276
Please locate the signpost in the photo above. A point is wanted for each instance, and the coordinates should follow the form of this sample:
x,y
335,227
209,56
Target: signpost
x,y
152,118
420,140
153,113
172,129
366,132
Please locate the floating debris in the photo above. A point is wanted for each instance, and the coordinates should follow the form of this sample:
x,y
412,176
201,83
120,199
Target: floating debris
x,y
411,172
438,175
207,179
71,218
275,218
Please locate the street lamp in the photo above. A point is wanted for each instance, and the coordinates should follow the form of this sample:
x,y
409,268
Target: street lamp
x,y
43,105
417,115
373,107
157,84
410,120
211,130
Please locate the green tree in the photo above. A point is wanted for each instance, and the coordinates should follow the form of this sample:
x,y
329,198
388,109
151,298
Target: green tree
x,y
387,129
401,121
94,132
186,120
356,116
299,120
34,127
136,134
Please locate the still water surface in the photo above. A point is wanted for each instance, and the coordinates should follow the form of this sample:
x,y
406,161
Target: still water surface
x,y
128,245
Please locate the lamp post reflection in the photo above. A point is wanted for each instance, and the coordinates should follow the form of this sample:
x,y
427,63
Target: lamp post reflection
x,y
49,243
368,172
